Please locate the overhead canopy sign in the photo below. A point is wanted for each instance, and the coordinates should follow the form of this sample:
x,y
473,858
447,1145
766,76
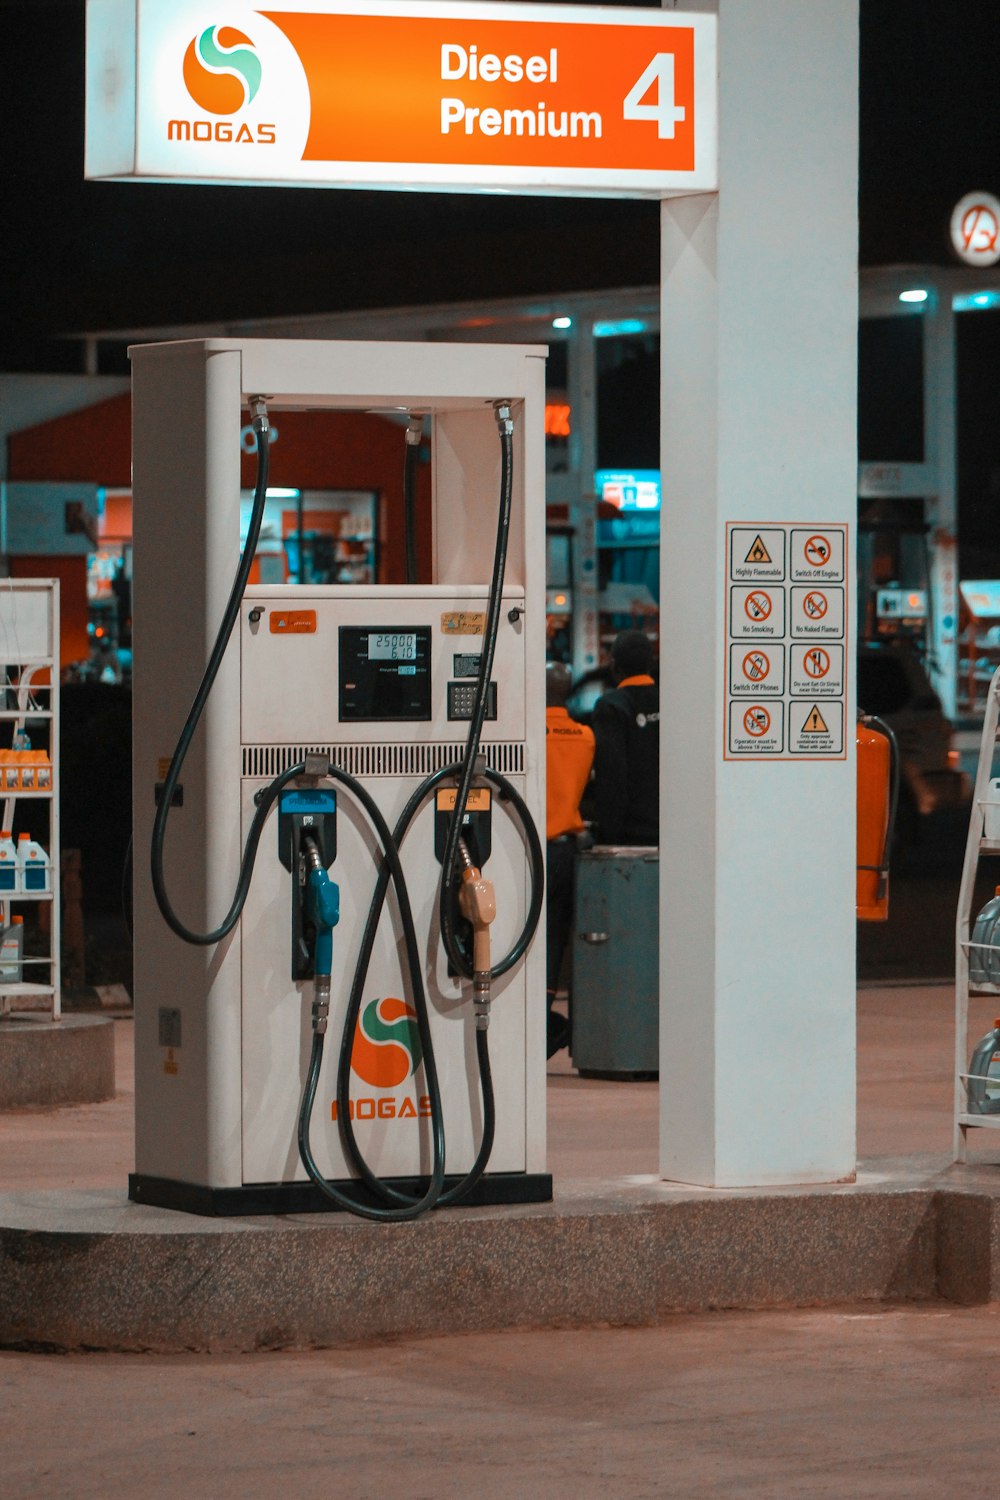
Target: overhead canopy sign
x,y
388,93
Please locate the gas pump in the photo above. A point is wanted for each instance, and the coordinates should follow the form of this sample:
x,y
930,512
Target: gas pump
x,y
356,787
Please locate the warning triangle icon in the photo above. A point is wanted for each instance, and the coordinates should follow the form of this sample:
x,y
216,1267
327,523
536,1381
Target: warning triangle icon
x,y
815,722
758,552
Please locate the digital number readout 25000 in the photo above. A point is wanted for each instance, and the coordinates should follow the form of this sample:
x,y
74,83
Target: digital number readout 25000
x,y
398,646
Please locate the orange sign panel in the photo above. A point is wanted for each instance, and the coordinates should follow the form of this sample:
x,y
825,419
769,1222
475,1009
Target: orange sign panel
x,y
497,91
468,95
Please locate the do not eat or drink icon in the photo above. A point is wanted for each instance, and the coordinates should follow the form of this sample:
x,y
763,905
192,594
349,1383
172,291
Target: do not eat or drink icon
x,y
817,662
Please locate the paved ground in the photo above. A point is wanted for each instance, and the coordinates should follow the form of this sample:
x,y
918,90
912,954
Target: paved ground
x,y
863,1401
900,1402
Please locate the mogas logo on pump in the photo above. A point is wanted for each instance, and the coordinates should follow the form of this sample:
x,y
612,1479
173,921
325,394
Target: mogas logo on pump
x,y
386,1052
226,91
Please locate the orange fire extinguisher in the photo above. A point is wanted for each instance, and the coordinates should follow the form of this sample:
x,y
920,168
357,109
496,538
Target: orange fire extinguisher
x,y
878,799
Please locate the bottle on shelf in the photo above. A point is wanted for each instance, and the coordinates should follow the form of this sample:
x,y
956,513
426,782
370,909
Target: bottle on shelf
x,y
33,869
984,964
983,1084
8,861
12,951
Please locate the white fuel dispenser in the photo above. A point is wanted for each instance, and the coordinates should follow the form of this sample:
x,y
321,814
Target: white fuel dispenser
x,y
334,709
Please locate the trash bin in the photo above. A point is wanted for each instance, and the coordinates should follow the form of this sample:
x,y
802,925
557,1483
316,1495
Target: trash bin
x,y
615,989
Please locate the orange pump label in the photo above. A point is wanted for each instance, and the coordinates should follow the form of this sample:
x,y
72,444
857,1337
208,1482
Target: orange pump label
x,y
478,800
292,622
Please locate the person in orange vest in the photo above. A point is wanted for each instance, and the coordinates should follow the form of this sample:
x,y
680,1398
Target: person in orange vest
x,y
626,724
569,755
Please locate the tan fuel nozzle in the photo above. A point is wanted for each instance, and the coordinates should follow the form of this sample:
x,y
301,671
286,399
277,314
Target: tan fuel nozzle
x,y
478,904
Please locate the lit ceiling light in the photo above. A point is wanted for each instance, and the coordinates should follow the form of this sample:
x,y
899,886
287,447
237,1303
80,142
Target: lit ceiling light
x,y
974,301
562,322
610,329
916,295
281,494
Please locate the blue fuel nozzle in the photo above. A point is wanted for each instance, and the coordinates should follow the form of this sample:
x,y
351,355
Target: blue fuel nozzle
x,y
323,909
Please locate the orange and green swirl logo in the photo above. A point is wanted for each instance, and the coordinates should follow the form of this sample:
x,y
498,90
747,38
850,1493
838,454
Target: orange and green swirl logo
x,y
386,1043
222,71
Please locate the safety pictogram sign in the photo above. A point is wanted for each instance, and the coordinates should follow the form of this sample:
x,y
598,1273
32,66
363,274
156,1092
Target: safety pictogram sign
x,y
817,555
757,554
814,728
758,605
756,672
756,666
756,721
756,729
816,670
757,612
817,550
817,613
787,614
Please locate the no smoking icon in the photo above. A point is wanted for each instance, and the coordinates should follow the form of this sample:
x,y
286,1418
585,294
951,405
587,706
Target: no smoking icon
x,y
757,604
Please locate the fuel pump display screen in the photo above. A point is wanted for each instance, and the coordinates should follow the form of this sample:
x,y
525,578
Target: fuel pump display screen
x,y
393,646
385,673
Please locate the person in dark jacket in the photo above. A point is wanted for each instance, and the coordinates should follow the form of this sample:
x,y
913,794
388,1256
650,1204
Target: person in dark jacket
x,y
626,724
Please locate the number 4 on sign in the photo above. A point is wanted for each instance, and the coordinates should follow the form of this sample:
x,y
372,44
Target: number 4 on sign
x,y
665,111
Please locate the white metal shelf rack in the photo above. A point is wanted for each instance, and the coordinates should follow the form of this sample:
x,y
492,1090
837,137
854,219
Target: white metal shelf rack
x,y
29,663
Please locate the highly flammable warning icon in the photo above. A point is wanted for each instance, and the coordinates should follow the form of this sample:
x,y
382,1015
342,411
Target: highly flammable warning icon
x,y
758,551
815,722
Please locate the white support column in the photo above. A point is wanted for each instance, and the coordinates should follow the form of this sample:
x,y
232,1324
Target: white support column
x,y
759,337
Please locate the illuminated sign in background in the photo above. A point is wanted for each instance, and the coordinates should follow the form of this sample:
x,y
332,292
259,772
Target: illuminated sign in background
x,y
975,229
637,489
397,94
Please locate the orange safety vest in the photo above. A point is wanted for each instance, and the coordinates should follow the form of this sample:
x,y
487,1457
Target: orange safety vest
x,y
569,755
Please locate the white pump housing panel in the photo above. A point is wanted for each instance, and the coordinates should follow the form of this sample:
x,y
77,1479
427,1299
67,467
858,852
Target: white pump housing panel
x,y
223,1032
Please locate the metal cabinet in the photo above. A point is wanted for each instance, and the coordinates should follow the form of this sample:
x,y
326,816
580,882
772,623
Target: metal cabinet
x,y
615,973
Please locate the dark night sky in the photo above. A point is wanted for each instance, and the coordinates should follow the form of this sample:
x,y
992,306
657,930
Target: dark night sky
x,y
85,255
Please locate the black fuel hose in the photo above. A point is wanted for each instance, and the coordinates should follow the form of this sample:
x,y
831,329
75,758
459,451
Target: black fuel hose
x,y
449,863
230,615
410,1207
537,886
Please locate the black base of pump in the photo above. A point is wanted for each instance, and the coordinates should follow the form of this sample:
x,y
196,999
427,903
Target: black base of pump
x,y
305,1198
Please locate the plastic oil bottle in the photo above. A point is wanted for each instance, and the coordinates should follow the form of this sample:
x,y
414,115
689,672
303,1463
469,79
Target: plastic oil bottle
x,y
8,861
12,951
983,1085
32,865
984,967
